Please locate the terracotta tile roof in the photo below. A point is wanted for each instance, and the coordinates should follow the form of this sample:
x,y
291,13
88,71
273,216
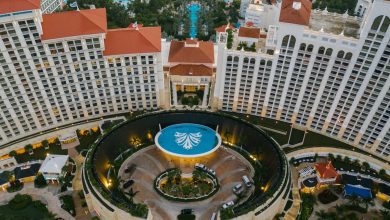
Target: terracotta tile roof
x,y
326,170
9,6
130,40
295,11
74,23
202,53
224,28
249,32
191,70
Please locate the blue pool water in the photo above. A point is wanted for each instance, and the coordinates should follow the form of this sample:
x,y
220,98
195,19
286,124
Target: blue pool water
x,y
188,140
193,8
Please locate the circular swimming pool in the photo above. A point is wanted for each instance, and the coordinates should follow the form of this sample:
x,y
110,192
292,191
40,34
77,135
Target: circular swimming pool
x,y
188,140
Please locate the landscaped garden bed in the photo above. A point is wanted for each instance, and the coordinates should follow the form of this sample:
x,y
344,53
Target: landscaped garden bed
x,y
327,196
23,207
68,204
172,185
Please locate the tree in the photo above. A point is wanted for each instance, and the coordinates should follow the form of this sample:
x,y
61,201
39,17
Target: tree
x,y
12,153
40,181
385,214
331,157
198,175
354,200
368,202
347,160
29,149
131,194
382,172
45,144
366,165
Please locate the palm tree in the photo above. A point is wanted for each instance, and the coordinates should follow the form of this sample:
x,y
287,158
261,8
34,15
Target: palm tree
x,y
331,157
198,175
29,149
368,202
45,144
366,165
354,200
12,153
385,214
131,194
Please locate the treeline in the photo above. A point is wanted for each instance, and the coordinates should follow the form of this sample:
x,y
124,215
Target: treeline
x,y
338,6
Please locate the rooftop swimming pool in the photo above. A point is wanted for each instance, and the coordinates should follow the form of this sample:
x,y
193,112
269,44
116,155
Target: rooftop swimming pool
x,y
188,140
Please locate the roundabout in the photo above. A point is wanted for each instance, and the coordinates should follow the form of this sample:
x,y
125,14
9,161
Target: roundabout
x,y
129,171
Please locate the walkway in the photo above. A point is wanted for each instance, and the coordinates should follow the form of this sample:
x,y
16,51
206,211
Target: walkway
x,y
44,195
294,210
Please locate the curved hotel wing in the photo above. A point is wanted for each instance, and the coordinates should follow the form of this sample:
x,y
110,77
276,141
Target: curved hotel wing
x,y
318,70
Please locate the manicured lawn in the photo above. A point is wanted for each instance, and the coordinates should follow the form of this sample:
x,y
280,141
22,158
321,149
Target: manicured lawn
x,y
315,139
40,153
296,136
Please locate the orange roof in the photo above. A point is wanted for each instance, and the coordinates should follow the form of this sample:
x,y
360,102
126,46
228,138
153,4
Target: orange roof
x,y
9,6
326,170
182,52
130,40
224,28
295,11
74,23
249,32
191,70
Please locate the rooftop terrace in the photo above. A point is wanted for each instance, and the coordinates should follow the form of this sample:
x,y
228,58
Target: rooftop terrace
x,y
335,23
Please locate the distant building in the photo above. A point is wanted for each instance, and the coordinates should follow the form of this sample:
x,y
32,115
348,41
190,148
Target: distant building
x,y
261,14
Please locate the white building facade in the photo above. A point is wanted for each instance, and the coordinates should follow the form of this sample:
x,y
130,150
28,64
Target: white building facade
x,y
49,6
332,79
48,80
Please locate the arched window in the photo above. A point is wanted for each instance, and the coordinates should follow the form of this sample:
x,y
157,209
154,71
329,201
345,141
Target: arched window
x,y
292,42
328,52
236,59
376,23
252,61
348,56
246,60
229,58
302,46
310,48
340,54
269,63
385,24
285,40
321,50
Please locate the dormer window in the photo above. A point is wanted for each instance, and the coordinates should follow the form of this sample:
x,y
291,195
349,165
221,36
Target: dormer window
x,y
297,5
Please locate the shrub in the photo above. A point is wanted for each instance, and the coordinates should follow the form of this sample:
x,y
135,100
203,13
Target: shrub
x,y
386,204
12,153
68,204
81,194
20,201
327,196
15,185
40,181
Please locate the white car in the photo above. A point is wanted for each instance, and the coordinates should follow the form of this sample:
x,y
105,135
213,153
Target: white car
x,y
211,171
228,204
238,189
200,166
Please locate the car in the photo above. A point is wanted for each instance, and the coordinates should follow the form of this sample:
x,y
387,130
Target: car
x,y
211,171
228,204
246,180
200,166
238,189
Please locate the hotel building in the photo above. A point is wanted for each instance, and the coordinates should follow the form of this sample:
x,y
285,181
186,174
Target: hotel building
x,y
61,68
320,71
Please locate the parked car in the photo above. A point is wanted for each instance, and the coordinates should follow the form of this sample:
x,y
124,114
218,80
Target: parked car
x,y
228,204
238,189
211,171
247,181
200,166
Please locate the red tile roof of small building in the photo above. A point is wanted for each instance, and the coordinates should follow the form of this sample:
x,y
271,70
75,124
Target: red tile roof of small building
x,y
74,23
203,52
131,40
224,28
191,70
9,6
249,32
326,170
295,12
